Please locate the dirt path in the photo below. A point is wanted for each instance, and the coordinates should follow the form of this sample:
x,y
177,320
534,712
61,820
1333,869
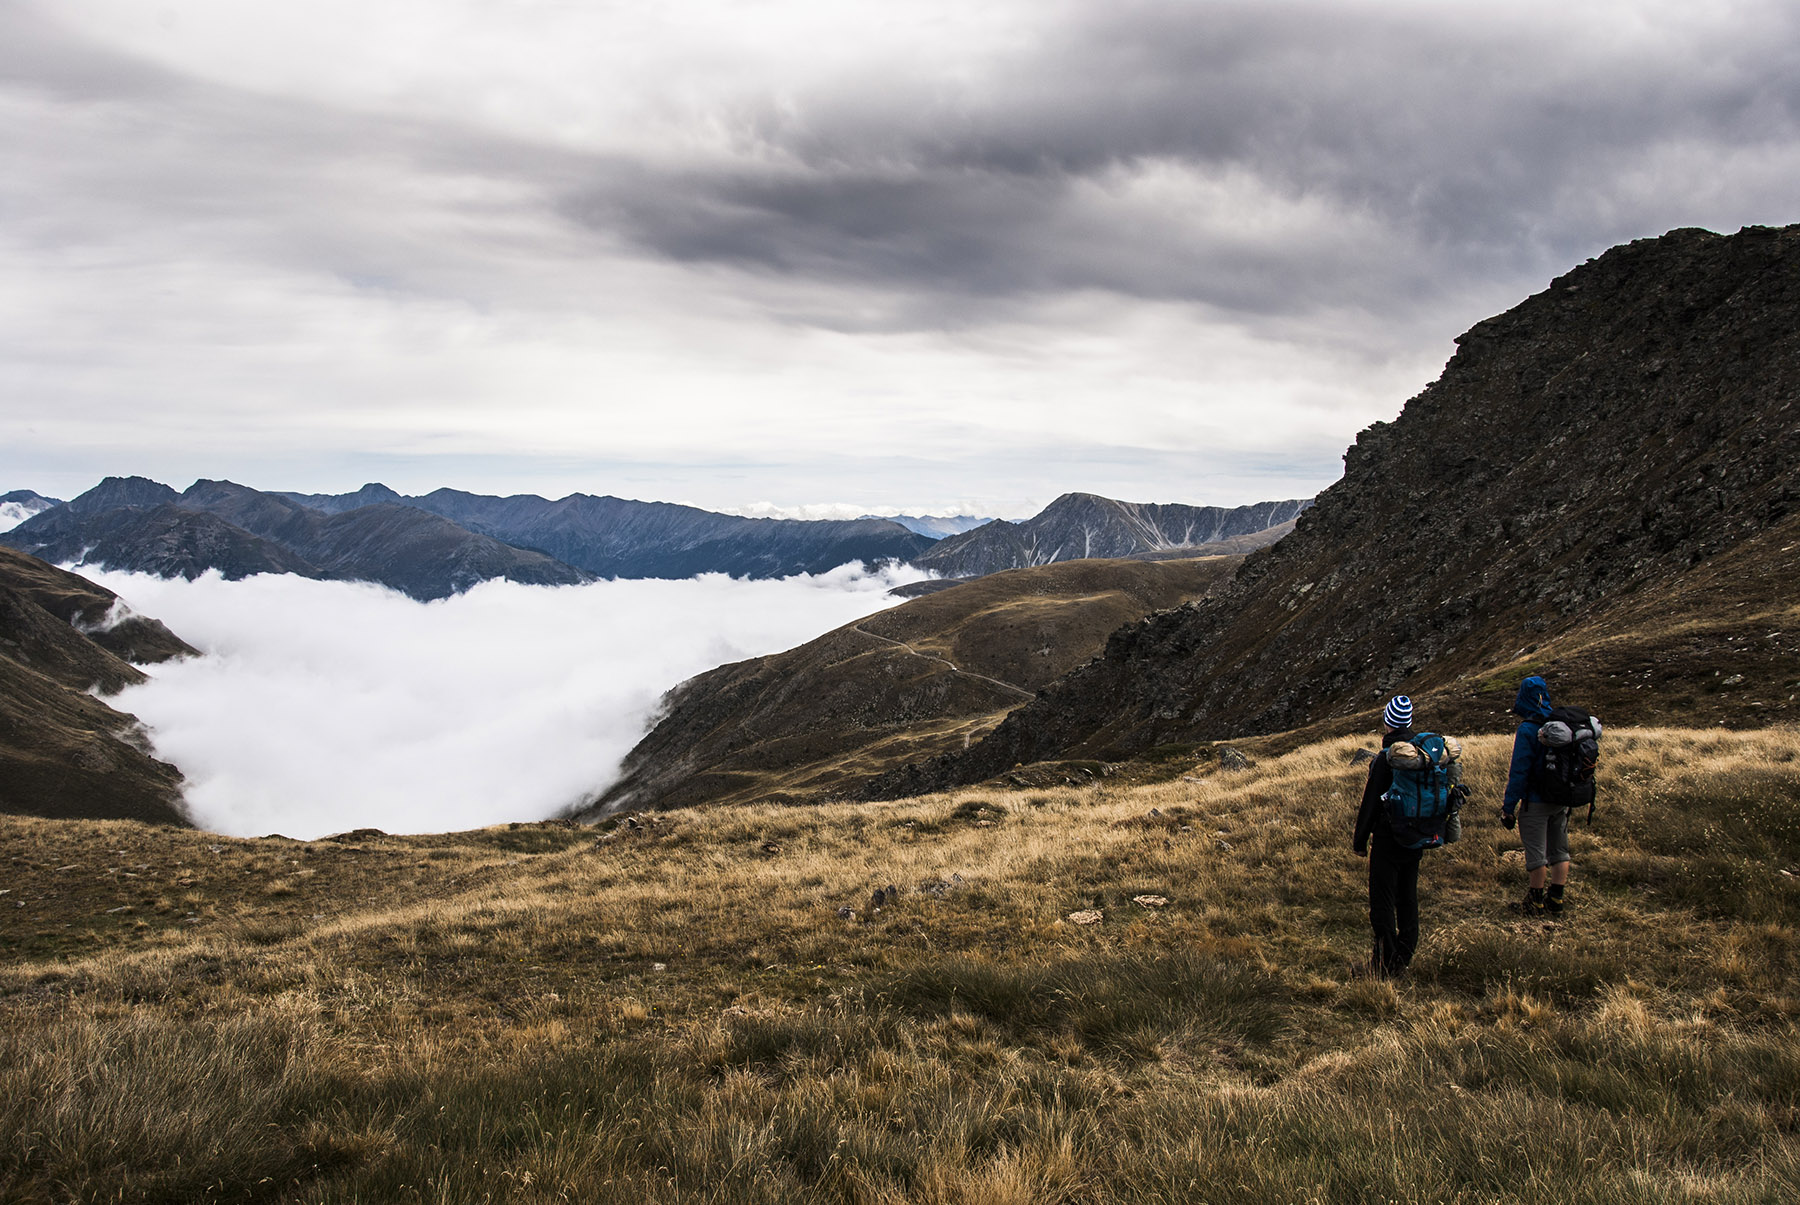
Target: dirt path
x,y
955,668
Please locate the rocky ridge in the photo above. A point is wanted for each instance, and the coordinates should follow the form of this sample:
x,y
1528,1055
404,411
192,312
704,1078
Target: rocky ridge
x,y
1584,453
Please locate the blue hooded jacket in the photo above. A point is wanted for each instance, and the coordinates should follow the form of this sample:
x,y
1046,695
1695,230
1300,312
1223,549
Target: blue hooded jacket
x,y
1533,706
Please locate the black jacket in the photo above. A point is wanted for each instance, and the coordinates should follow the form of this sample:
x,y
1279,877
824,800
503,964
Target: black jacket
x,y
1381,776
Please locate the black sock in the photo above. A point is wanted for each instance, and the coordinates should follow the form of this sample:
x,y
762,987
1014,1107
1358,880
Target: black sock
x,y
1556,891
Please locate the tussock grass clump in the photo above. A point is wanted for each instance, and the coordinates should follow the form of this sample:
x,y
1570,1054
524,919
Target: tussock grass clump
x,y
1124,1002
718,1007
172,1108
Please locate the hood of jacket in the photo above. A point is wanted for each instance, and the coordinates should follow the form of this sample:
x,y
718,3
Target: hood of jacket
x,y
1533,702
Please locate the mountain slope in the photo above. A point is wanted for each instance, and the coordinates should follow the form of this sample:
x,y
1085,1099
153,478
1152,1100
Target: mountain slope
x,y
1086,525
166,540
93,610
420,554
907,682
1585,451
63,752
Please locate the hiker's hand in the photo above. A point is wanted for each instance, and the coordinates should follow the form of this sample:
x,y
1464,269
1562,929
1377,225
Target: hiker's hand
x,y
1507,819
1361,848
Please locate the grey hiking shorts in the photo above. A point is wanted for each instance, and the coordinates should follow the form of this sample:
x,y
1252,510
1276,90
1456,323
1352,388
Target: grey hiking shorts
x,y
1545,831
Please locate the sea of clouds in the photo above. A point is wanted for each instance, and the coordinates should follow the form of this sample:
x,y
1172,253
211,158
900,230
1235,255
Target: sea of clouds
x,y
321,707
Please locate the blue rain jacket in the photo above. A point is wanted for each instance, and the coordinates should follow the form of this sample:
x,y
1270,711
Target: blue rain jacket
x,y
1533,705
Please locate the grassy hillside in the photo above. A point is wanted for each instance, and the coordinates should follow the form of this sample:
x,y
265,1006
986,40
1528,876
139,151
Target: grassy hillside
x,y
927,676
673,1009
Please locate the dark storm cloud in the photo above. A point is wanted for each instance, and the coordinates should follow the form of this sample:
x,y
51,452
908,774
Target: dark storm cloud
x,y
1381,147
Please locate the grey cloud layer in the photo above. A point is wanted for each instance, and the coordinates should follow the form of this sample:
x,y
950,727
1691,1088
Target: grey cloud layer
x,y
1455,140
1323,155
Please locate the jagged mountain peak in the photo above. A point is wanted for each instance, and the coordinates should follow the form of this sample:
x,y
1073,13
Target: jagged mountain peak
x,y
115,492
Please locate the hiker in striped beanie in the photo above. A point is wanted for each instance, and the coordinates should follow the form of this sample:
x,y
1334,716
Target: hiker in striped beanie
x,y
1393,866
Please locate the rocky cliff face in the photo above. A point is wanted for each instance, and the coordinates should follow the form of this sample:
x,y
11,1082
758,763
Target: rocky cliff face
x,y
1586,451
1077,526
63,752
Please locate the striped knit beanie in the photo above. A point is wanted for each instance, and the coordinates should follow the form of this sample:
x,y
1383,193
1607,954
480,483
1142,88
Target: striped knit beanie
x,y
1398,713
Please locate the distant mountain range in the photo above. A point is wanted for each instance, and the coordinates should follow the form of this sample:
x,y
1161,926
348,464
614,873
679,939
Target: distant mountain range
x,y
1081,526
935,527
137,524
443,542
616,537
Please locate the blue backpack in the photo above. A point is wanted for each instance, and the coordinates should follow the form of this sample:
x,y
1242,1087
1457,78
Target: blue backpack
x,y
1426,768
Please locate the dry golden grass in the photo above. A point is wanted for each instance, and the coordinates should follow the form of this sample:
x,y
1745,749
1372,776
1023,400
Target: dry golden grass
x,y
677,1011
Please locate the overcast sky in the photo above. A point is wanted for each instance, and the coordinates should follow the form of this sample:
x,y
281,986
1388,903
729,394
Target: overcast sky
x,y
924,256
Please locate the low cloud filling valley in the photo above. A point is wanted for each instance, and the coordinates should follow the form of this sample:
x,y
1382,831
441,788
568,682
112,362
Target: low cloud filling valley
x,y
321,707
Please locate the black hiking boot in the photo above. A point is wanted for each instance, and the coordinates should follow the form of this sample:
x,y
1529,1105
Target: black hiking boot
x,y
1554,902
1532,905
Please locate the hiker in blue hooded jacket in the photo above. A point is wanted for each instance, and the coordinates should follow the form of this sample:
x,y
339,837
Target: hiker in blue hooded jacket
x,y
1543,826
1393,868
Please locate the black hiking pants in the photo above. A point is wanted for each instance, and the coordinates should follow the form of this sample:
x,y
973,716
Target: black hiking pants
x,y
1393,901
